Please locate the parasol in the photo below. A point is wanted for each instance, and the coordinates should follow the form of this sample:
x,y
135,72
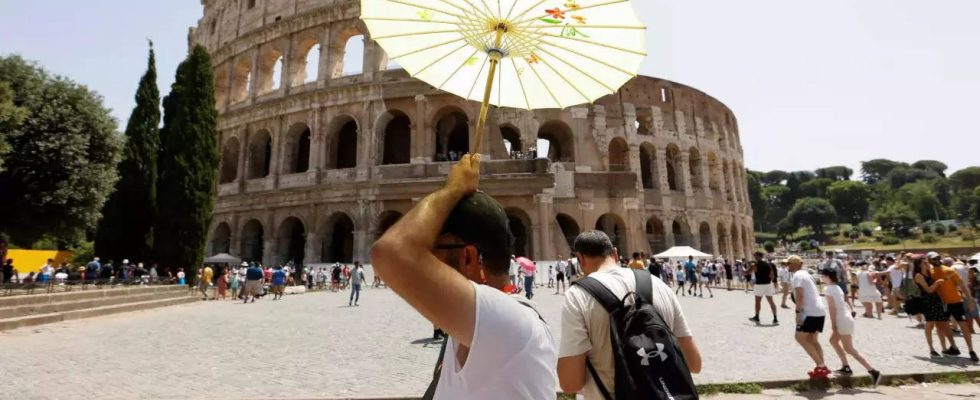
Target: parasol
x,y
682,252
529,54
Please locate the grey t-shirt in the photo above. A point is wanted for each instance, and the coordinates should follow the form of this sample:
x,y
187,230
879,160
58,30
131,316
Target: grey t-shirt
x,y
356,276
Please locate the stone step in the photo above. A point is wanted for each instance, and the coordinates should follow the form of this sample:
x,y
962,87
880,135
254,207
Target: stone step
x,y
20,322
72,305
39,297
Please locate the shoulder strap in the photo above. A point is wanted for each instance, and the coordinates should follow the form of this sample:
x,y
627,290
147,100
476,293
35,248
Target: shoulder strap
x,y
601,293
598,382
430,392
644,285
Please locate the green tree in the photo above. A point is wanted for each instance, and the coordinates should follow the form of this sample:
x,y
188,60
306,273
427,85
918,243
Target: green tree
x,y
776,208
188,164
126,228
851,199
816,188
931,165
920,197
812,212
966,179
11,117
896,217
901,176
775,177
876,170
837,173
62,160
756,199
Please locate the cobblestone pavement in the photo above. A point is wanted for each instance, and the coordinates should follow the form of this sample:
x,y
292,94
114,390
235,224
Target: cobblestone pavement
x,y
918,392
314,346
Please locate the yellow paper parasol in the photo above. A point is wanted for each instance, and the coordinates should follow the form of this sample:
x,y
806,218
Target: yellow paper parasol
x,y
530,54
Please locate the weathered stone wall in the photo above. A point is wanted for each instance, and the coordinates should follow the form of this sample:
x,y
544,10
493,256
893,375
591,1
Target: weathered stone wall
x,y
316,165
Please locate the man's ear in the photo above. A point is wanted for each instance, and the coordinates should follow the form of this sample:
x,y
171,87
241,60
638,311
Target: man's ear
x,y
471,255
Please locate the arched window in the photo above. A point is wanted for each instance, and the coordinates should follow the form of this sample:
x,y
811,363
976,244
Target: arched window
x,y
344,146
648,162
353,63
619,154
674,178
569,228
297,155
452,136
512,139
292,241
270,71
614,226
312,64
560,147
252,241
656,235
221,239
240,81
682,233
338,239
706,240
397,140
260,155
694,168
229,161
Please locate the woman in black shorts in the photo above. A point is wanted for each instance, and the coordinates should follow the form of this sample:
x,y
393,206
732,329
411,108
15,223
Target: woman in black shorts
x,y
932,305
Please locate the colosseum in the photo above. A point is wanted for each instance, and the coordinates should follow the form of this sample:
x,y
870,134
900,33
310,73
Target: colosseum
x,y
325,144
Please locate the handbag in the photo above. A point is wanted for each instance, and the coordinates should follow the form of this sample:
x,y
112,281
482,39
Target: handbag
x,y
909,288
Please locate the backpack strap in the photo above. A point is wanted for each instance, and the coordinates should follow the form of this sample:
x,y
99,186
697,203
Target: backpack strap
x,y
598,382
600,293
430,392
644,285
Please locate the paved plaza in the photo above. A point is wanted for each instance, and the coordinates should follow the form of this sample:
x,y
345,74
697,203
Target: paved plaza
x,y
917,392
314,346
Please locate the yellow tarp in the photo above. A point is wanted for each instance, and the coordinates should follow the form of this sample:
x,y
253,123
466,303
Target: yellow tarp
x,y
32,260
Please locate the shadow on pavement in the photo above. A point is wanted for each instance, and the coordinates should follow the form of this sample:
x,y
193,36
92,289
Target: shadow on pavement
x,y
958,362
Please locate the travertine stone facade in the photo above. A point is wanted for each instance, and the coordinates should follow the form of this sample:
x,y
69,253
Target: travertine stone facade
x,y
317,163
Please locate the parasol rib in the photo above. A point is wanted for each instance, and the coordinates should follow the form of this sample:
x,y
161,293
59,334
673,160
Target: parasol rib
x,y
568,81
520,82
569,9
428,21
592,42
397,35
580,54
523,13
455,40
461,65
545,84
596,80
557,26
422,7
419,72
477,80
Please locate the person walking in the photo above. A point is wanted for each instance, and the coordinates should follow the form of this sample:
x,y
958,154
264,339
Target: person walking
x,y
706,279
181,277
784,282
843,277
356,279
842,325
691,273
560,276
895,273
529,269
204,281
254,277
930,304
458,241
585,335
223,284
235,283
681,276
958,300
811,310
765,286
278,287
728,274
551,276
868,293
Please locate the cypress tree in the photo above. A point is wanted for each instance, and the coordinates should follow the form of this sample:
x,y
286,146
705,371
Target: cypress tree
x,y
126,228
188,165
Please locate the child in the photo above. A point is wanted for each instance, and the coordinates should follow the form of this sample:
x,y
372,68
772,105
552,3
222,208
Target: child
x,y
842,324
680,280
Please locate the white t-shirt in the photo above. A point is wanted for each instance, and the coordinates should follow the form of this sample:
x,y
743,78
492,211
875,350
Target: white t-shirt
x,y
783,274
963,271
834,292
513,268
585,324
895,275
512,356
813,304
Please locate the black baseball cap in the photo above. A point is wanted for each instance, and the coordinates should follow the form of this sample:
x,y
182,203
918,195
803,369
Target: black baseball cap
x,y
480,220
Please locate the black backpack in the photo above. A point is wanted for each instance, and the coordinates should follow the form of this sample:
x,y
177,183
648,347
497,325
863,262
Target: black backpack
x,y
649,364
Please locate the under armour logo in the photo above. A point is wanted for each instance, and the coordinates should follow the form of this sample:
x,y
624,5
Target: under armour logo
x,y
642,352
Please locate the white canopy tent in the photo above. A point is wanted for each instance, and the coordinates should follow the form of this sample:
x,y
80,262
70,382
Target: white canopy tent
x,y
682,252
976,257
223,258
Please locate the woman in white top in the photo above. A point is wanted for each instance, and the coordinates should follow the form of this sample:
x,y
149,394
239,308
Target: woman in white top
x,y
843,326
868,293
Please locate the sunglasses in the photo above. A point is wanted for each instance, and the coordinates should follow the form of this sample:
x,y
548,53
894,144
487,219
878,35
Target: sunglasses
x,y
453,246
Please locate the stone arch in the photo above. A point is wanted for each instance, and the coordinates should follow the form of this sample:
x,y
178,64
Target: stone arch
x,y
512,139
713,170
260,155
726,181
704,231
561,142
230,154
342,146
520,227
349,52
619,155
221,88
737,247
681,231
724,240
241,79
385,221
269,65
221,239
750,243
694,167
296,157
452,130
338,239
253,241
304,66
656,235
569,228
291,237
648,163
675,171
396,137
614,226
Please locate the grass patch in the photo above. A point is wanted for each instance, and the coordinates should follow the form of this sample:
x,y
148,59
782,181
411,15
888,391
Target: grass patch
x,y
729,388
953,378
566,396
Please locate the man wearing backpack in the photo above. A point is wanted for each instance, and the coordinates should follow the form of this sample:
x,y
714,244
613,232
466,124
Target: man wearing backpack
x,y
587,348
459,241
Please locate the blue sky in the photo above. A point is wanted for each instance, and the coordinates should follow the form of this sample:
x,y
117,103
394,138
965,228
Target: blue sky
x,y
812,83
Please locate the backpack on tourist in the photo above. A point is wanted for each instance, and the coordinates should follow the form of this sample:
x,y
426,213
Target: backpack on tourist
x,y
649,363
